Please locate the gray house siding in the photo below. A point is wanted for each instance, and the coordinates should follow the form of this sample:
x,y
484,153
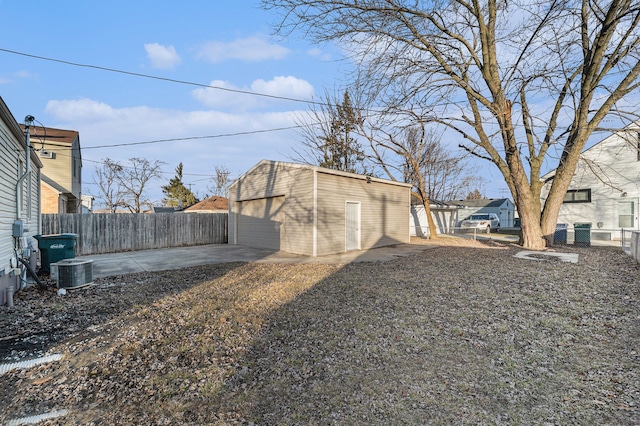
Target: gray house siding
x,y
12,167
309,216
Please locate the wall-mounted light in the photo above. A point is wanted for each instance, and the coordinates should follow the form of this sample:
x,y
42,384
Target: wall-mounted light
x,y
368,179
624,194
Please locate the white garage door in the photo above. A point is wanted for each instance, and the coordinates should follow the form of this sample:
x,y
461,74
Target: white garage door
x,y
261,222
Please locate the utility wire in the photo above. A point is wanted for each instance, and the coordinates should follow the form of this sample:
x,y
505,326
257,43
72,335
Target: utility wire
x,y
155,77
223,135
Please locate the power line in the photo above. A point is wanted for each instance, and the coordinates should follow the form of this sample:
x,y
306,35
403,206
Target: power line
x,y
155,77
223,135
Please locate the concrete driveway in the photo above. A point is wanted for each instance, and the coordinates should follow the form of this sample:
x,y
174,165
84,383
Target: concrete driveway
x,y
105,265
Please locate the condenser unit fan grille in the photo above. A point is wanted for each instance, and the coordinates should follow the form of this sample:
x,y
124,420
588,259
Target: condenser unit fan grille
x,y
73,273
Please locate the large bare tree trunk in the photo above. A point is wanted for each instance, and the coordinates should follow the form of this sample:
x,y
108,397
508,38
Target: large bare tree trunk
x,y
433,231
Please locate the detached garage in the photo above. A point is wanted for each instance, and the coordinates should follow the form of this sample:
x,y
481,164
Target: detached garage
x,y
316,211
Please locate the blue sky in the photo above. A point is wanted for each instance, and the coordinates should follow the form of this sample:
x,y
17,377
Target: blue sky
x,y
223,44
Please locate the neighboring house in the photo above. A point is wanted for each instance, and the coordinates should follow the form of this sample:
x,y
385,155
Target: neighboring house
x,y
86,202
503,207
315,211
19,203
59,151
605,189
444,215
215,204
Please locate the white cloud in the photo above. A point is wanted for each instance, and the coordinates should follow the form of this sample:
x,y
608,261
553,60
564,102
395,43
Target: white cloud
x,y
250,49
18,75
163,57
80,110
319,53
287,87
223,99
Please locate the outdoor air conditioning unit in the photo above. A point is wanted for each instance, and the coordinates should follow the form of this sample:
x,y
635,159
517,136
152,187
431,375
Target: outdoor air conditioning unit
x,y
72,273
45,154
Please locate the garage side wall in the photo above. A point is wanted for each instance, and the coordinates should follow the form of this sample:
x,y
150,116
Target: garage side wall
x,y
384,212
288,193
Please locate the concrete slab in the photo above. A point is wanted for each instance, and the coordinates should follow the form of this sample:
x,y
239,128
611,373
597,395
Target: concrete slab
x,y
536,255
105,265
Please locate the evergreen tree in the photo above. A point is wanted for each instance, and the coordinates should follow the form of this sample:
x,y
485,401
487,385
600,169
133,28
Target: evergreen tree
x,y
176,194
340,150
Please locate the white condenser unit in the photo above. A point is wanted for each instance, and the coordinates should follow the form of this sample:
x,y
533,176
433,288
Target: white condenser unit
x,y
72,273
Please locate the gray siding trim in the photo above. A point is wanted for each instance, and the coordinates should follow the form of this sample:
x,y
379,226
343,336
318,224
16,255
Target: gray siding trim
x,y
12,154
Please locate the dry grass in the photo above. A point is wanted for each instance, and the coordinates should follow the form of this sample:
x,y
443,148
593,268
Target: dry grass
x,y
461,334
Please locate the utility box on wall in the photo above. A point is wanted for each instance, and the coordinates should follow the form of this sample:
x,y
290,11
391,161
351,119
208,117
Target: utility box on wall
x,y
18,228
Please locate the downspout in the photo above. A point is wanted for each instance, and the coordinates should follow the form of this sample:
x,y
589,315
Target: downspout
x,y
28,121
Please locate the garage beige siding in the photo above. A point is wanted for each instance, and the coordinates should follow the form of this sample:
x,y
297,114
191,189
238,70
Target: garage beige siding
x,y
294,185
261,222
384,212
295,205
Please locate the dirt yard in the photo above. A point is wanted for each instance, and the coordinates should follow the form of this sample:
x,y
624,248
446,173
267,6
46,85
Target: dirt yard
x,y
463,333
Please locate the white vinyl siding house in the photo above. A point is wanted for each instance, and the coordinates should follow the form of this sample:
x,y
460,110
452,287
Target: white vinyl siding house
x,y
605,189
445,217
316,211
15,202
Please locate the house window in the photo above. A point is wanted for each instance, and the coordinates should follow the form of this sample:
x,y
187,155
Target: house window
x,y
578,196
625,214
638,147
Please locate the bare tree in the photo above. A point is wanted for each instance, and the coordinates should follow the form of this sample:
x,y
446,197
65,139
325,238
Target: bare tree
x,y
445,173
478,68
220,183
419,155
134,180
124,186
107,179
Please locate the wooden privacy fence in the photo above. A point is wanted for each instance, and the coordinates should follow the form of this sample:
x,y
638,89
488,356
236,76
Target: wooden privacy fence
x,y
117,232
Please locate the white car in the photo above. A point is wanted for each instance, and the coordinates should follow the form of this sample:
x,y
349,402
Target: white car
x,y
482,222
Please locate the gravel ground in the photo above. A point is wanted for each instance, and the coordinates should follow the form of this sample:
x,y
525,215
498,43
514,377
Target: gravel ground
x,y
463,333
